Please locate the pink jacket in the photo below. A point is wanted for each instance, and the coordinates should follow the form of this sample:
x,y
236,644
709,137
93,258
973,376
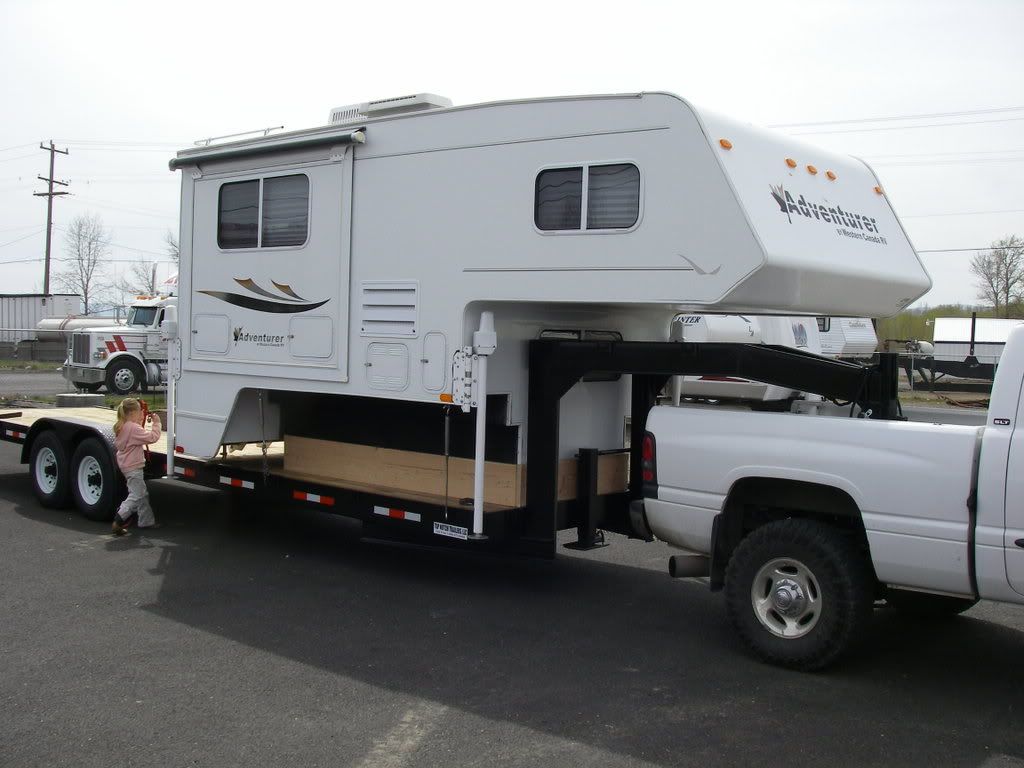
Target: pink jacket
x,y
129,442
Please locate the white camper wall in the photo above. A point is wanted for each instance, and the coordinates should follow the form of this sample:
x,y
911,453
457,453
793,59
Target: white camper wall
x,y
435,212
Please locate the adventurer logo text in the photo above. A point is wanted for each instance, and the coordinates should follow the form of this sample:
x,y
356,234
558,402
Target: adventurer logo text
x,y
847,223
243,336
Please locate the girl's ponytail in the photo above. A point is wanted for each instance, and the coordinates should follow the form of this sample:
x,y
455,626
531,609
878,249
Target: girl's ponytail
x,y
127,406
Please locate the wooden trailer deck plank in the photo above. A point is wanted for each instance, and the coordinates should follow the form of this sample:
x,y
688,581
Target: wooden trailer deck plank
x,y
380,490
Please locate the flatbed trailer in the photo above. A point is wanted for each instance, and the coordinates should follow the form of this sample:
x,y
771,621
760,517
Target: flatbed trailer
x,y
71,456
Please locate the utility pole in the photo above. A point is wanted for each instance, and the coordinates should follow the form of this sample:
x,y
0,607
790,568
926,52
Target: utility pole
x,y
49,195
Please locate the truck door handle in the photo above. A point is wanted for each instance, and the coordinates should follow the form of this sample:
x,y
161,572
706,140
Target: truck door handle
x,y
1019,543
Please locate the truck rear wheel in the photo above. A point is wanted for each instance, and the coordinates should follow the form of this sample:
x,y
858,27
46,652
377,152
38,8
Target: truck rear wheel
x,y
48,463
124,376
94,481
799,593
928,606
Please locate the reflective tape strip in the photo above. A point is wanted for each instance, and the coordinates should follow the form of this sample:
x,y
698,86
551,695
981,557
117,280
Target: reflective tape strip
x,y
235,482
316,498
18,435
110,346
397,514
186,471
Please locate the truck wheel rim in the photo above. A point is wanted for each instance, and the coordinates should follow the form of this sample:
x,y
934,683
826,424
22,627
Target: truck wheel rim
x,y
90,480
786,598
46,470
124,379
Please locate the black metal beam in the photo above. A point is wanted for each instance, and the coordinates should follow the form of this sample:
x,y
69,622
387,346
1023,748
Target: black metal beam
x,y
557,364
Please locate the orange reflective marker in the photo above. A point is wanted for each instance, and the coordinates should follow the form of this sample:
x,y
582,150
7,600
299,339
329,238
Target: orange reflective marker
x,y
725,143
831,175
791,162
878,190
446,398
812,170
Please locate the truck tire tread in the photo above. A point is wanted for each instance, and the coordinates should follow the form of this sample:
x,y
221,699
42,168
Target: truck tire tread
x,y
843,574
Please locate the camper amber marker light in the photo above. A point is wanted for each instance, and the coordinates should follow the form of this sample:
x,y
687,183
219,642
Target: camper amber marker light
x,y
831,175
812,170
791,162
726,144
878,190
446,398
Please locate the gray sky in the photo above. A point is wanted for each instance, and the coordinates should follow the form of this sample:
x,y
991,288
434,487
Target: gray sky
x,y
123,85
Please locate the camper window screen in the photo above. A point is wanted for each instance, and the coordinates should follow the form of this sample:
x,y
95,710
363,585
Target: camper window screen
x,y
238,215
613,196
559,199
285,210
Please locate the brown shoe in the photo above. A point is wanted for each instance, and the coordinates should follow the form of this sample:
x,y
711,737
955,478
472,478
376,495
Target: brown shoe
x,y
117,529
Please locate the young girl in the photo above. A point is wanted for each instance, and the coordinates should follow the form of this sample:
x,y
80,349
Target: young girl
x,y
129,439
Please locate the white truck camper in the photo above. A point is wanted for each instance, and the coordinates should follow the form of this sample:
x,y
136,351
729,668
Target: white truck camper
x,y
440,320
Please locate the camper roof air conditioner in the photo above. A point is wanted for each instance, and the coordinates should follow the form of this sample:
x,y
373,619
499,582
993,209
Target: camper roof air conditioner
x,y
385,107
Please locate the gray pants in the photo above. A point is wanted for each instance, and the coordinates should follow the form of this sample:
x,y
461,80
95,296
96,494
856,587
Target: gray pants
x,y
137,501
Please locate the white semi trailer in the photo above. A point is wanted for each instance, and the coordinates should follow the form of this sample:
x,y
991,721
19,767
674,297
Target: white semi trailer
x,y
439,320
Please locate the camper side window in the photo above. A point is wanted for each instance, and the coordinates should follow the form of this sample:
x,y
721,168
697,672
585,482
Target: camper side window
x,y
611,194
281,220
238,215
559,199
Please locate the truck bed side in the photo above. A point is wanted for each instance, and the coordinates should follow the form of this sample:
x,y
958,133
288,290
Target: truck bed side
x,y
910,482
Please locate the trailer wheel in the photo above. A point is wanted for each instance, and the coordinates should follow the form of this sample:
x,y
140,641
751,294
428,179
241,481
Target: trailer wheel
x,y
48,463
94,481
124,376
799,593
928,606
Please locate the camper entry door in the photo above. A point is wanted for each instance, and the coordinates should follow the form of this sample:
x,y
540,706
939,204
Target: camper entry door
x,y
270,270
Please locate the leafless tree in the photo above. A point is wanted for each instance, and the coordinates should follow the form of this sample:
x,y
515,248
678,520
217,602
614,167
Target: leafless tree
x,y
139,278
171,244
1000,274
87,244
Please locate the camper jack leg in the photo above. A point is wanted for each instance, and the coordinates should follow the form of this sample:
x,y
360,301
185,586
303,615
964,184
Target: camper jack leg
x,y
587,502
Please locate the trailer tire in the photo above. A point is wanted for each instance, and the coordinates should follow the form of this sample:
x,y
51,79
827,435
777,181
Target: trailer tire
x,y
124,376
95,483
799,593
927,606
50,471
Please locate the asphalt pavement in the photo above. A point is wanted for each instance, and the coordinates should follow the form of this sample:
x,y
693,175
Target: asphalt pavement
x,y
33,383
277,638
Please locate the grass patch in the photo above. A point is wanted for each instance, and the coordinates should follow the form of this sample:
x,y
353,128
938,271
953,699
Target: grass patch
x,y
28,366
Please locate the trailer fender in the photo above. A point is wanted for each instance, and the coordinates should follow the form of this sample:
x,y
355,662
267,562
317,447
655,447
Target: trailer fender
x,y
70,433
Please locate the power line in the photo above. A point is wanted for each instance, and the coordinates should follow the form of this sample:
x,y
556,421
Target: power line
x,y
945,154
124,247
19,157
899,117
960,213
18,240
955,250
906,127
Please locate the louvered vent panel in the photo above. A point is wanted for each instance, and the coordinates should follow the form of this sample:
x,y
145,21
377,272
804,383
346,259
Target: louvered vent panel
x,y
389,308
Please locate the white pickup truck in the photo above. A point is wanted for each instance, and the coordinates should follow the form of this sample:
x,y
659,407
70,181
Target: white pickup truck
x,y
807,520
